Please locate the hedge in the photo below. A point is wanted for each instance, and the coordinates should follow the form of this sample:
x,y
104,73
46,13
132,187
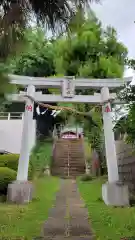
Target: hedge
x,y
11,161
7,175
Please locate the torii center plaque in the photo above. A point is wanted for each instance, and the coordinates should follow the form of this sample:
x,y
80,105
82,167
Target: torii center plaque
x,y
68,87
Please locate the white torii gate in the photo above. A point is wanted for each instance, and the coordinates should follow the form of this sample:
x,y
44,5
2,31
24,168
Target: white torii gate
x,y
68,86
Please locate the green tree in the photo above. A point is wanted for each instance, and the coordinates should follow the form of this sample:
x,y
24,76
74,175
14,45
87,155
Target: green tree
x,y
16,16
91,52
37,57
129,96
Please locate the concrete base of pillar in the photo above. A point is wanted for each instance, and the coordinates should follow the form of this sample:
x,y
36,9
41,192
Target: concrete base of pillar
x,y
115,194
20,192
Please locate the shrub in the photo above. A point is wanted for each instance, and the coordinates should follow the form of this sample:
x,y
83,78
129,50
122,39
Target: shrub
x,y
7,175
41,156
11,161
86,177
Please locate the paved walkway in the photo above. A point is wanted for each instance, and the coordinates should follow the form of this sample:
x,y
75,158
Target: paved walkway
x,y
68,218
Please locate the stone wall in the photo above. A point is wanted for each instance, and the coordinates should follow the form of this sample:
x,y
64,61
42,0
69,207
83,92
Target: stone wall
x,y
126,164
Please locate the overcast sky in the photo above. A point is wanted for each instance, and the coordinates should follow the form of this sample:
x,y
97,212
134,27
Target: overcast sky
x,y
121,15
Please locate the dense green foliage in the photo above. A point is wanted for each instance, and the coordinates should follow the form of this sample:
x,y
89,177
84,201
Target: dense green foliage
x,y
8,170
37,56
91,52
41,156
7,175
87,149
127,123
9,160
16,17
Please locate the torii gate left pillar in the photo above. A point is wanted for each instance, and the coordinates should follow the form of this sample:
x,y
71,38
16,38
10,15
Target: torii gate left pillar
x,y
21,190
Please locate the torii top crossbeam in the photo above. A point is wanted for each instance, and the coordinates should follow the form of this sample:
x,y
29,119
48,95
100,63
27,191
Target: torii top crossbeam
x,y
79,83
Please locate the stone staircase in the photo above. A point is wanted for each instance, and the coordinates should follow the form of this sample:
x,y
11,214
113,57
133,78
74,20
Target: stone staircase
x,y
68,158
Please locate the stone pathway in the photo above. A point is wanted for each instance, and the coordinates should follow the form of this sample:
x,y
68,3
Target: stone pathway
x,y
68,219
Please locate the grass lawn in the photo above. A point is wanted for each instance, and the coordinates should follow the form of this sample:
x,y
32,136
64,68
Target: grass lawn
x,y
108,223
26,221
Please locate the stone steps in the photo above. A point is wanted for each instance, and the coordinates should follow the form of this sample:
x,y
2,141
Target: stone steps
x,y
68,158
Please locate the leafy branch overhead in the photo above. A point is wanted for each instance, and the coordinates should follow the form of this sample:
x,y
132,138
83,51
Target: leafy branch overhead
x,y
127,123
16,15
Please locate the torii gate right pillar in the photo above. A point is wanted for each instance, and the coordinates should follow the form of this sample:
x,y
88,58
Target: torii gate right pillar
x,y
113,192
111,157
